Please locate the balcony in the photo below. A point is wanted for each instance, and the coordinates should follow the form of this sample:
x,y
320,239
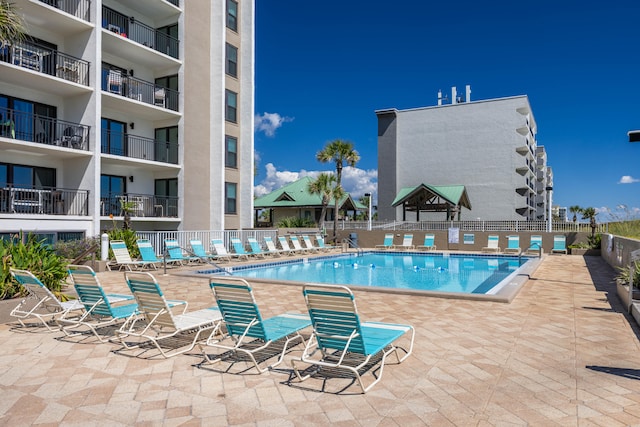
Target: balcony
x,y
78,8
138,147
139,205
114,82
46,61
134,30
43,201
30,127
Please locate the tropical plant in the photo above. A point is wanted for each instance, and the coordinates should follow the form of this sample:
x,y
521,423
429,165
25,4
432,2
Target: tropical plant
x,y
324,186
594,241
74,249
624,274
127,235
575,210
294,222
339,152
34,255
12,26
590,214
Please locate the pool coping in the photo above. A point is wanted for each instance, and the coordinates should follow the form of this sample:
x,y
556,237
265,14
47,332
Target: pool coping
x,y
505,294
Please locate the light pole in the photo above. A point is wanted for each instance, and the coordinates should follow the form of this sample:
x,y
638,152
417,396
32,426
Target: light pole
x,y
550,215
369,216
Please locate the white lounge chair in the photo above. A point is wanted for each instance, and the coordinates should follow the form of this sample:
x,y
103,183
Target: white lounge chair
x,y
271,247
123,259
407,243
297,246
492,244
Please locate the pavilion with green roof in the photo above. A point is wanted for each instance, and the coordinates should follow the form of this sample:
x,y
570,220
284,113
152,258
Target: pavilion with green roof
x,y
433,198
294,200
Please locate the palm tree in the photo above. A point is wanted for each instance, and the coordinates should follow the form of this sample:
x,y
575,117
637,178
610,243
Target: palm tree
x,y
340,152
323,185
575,210
590,214
11,24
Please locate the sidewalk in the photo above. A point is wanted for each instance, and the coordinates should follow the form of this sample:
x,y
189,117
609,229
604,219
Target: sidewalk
x,y
562,353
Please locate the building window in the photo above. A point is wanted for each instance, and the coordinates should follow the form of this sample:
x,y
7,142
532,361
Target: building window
x,y
230,197
232,61
232,15
231,101
231,152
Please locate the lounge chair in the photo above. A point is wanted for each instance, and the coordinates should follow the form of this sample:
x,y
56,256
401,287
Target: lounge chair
x,y
256,249
100,310
407,243
271,247
513,245
492,244
198,250
47,306
148,253
535,245
308,244
238,248
296,245
428,244
123,259
285,245
176,254
248,332
342,340
221,250
387,243
559,244
156,320
322,246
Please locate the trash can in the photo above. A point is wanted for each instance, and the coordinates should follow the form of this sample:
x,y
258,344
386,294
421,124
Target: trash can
x,y
354,240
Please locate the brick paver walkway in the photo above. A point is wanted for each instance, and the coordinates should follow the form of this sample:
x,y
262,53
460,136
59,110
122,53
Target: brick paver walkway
x,y
563,353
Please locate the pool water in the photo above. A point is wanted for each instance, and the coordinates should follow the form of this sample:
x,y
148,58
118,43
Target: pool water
x,y
471,274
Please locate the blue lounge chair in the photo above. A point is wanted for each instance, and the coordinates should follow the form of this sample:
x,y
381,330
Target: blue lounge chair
x,y
535,245
198,250
157,321
248,331
387,243
341,341
256,249
513,245
238,248
559,244
176,254
428,244
100,310
123,258
492,244
323,247
148,253
47,307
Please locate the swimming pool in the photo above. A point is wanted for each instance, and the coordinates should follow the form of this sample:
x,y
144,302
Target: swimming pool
x,y
432,272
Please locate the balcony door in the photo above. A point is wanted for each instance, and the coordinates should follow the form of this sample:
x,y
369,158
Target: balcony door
x,y
114,137
112,188
166,145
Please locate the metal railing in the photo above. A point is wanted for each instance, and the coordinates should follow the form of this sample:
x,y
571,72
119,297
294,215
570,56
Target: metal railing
x,y
46,61
115,82
44,201
138,147
139,205
468,226
131,28
77,8
43,130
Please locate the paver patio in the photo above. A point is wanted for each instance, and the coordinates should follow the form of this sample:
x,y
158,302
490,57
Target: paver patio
x,y
562,353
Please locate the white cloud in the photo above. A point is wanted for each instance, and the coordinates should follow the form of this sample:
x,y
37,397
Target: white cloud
x,y
269,123
628,179
355,181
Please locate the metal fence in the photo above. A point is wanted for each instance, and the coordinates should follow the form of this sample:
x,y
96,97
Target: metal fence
x,y
469,226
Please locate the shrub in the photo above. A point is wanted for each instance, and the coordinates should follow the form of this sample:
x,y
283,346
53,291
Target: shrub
x,y
129,237
73,249
33,255
293,222
623,274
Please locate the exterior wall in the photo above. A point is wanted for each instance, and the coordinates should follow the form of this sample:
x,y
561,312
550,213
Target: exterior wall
x,y
487,146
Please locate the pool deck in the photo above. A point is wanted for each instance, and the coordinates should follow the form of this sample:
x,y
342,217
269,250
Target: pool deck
x,y
562,353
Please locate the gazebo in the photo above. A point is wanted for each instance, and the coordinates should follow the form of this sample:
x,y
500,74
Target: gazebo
x,y
433,198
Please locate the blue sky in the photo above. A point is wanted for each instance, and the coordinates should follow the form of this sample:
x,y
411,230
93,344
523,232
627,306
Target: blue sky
x,y
324,67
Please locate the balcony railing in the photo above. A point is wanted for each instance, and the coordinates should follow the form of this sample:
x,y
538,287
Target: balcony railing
x,y
43,130
139,205
113,81
132,29
44,201
78,8
176,3
138,147
47,61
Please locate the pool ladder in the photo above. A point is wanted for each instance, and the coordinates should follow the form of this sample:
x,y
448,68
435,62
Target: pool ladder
x,y
359,250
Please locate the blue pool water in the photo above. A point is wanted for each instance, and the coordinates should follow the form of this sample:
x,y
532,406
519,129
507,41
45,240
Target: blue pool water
x,y
472,274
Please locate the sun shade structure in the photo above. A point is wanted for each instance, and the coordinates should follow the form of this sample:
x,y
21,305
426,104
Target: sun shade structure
x,y
433,198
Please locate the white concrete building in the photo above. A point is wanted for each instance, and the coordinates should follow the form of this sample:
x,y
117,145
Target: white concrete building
x,y
488,146
149,102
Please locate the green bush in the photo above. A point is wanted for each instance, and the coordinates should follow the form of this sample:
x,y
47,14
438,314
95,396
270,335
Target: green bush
x,y
594,241
293,222
129,237
623,274
33,255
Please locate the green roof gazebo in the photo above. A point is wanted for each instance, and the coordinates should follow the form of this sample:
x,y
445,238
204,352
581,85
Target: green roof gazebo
x,y
433,198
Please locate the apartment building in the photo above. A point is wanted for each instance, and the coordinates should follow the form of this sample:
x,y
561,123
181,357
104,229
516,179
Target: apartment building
x,y
138,107
489,146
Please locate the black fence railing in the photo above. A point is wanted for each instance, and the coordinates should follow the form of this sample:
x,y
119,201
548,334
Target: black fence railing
x,y
139,205
138,147
77,8
43,201
43,130
47,61
135,30
114,81
176,3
